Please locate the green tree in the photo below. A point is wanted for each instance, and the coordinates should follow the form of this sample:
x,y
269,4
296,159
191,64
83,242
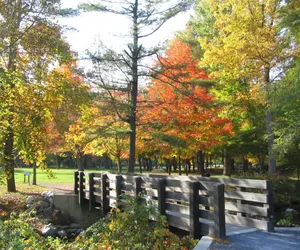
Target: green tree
x,y
30,44
146,17
249,47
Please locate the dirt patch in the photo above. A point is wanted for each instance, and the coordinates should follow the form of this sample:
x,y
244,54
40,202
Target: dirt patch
x,y
64,188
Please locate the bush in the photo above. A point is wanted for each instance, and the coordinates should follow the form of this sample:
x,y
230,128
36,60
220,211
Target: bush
x,y
125,228
129,228
17,234
286,220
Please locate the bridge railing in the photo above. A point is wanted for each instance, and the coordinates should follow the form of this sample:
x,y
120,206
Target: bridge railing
x,y
194,206
248,202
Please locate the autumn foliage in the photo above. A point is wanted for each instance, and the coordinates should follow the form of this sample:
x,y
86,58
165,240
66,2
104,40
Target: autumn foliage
x,y
176,111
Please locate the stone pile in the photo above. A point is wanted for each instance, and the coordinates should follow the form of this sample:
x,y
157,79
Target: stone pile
x,y
59,222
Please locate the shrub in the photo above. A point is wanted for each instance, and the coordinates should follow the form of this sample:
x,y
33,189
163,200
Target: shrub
x,y
125,228
17,234
129,228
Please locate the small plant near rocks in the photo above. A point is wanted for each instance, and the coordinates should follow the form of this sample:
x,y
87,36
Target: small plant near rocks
x,y
126,227
286,220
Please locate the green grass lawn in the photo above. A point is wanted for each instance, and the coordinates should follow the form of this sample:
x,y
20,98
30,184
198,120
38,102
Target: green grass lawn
x,y
67,175
60,175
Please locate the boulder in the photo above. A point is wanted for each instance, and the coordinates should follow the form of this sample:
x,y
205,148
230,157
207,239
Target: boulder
x,y
62,234
49,231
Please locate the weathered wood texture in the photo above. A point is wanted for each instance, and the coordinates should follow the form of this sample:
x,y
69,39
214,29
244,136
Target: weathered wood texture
x,y
244,198
195,204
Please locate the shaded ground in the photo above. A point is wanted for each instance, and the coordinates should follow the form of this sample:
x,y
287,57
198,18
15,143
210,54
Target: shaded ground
x,y
58,187
281,239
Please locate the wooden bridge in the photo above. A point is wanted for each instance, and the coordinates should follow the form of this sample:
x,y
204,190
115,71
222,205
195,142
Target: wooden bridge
x,y
194,204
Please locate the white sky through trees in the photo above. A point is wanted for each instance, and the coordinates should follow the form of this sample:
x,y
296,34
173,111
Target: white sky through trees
x,y
111,30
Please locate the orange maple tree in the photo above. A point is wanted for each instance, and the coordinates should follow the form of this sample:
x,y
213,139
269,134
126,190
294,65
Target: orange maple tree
x,y
176,111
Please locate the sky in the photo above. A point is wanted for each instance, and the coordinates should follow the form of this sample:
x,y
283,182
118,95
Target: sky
x,y
110,29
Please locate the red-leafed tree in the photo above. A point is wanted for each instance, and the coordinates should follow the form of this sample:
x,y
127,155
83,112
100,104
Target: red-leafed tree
x,y
178,114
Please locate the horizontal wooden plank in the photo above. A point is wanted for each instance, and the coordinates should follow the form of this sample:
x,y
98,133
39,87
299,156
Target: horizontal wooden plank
x,y
232,182
207,229
97,190
204,192
204,229
178,208
239,195
207,201
149,186
127,187
147,179
98,199
97,182
177,196
206,214
178,183
111,176
178,222
97,175
245,208
152,192
246,222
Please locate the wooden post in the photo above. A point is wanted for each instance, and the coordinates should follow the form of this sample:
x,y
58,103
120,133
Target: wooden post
x,y
104,193
118,188
194,210
81,188
219,210
91,192
161,190
270,198
76,179
138,184
240,202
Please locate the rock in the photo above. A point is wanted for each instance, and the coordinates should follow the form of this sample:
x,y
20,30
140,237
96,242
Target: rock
x,y
48,211
74,225
72,230
47,194
290,210
49,230
79,231
62,234
60,217
43,204
51,201
30,200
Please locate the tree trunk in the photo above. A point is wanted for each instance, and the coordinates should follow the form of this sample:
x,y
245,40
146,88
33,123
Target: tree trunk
x,y
34,174
245,165
58,161
134,89
9,140
140,164
194,164
9,161
227,165
232,168
119,163
200,161
79,160
150,164
270,132
179,165
156,162
174,164
70,162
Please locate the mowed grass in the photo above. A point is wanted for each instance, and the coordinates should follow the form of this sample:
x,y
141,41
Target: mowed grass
x,y
67,175
57,176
